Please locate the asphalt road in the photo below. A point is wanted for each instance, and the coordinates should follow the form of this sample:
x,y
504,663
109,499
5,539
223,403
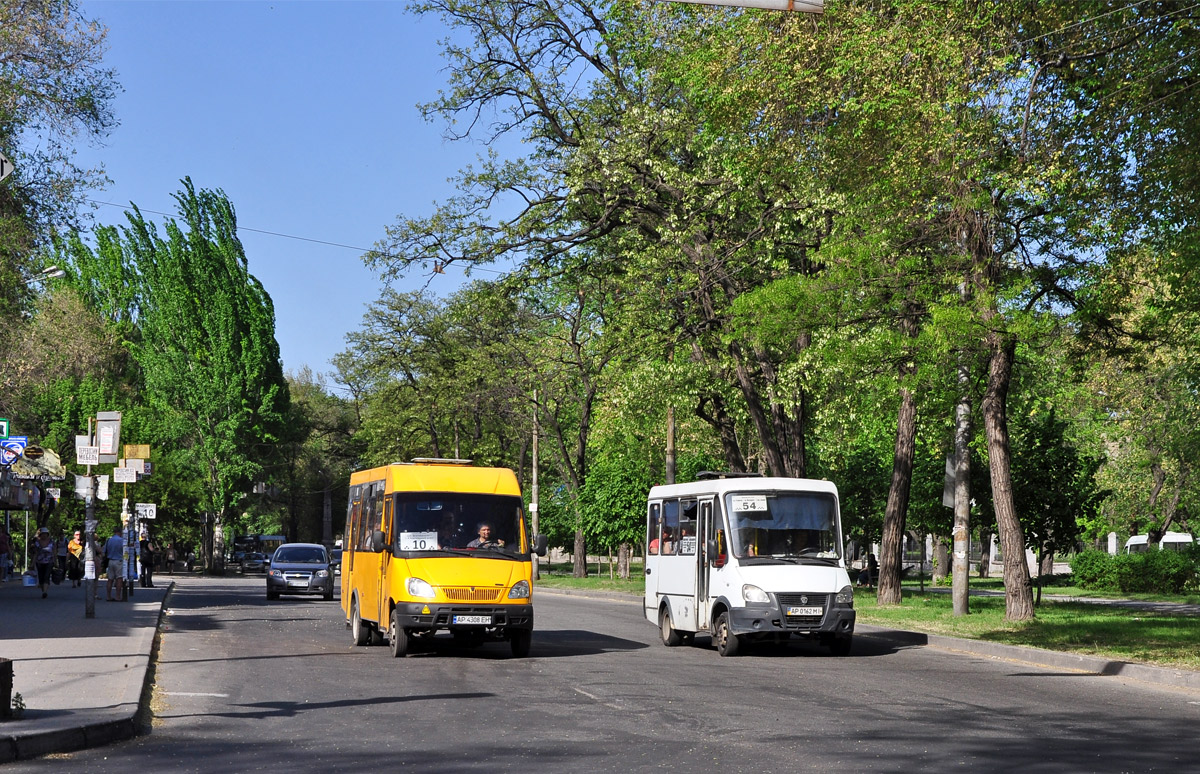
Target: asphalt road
x,y
246,685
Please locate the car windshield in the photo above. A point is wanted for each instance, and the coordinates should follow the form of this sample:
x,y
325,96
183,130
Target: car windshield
x,y
300,555
458,522
784,526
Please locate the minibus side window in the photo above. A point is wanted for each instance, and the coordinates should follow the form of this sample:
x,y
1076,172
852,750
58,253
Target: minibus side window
x,y
652,524
670,530
687,528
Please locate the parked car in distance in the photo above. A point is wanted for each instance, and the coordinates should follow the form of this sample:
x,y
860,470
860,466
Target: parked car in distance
x,y
335,560
254,562
300,568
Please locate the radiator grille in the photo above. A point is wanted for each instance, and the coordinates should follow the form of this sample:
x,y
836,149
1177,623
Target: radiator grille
x,y
471,593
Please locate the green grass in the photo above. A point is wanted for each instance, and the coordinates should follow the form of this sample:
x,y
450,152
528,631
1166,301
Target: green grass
x,y
1073,627
1114,633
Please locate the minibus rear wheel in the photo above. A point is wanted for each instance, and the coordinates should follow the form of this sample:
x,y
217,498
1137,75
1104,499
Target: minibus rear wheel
x,y
670,637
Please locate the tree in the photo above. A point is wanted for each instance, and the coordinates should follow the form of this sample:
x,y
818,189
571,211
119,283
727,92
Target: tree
x,y
206,344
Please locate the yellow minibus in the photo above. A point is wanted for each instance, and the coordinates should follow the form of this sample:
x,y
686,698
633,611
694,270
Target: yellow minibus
x,y
438,545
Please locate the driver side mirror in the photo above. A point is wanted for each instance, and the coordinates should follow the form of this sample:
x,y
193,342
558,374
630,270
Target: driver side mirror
x,y
540,542
377,541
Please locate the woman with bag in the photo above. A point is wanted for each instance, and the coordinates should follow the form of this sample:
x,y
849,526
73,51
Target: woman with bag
x,y
75,560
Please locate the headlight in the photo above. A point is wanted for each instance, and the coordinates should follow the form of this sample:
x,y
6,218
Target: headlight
x,y
276,574
322,573
752,593
520,590
419,588
845,596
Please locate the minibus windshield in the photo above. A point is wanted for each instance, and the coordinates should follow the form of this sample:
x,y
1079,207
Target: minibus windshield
x,y
457,522
784,526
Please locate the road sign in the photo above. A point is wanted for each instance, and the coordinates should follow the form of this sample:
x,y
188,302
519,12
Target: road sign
x,y
3,427
11,448
6,166
146,510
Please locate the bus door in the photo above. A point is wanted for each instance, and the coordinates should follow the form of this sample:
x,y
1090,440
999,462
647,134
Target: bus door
x,y
653,566
370,563
705,533
678,558
385,561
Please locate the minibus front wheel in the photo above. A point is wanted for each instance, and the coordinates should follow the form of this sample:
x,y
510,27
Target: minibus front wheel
x,y
519,641
358,632
397,636
723,637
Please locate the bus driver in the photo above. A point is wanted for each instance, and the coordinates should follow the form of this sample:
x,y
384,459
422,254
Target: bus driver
x,y
485,538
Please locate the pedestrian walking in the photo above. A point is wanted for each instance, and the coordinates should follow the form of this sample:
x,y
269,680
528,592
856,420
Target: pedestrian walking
x,y
43,559
5,551
171,559
75,560
114,554
149,555
61,553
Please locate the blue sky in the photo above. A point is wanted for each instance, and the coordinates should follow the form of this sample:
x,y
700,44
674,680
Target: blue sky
x,y
304,113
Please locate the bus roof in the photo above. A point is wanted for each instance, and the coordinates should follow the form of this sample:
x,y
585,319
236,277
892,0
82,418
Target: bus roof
x,y
720,486
440,476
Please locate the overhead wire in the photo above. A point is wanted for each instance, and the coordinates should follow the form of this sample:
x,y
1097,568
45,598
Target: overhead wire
x,y
439,265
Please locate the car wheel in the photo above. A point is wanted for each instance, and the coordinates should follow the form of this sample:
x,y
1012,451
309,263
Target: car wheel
x,y
397,636
358,632
328,597
840,646
520,641
670,637
272,594
726,641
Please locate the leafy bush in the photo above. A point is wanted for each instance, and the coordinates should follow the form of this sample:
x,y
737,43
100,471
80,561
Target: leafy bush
x,y
1094,570
1155,572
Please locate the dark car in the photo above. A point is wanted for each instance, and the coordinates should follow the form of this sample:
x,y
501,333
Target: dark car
x,y
300,568
335,560
254,562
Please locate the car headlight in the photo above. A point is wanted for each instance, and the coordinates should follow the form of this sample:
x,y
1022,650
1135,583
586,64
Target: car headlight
x,y
419,588
752,593
845,596
520,590
322,573
276,574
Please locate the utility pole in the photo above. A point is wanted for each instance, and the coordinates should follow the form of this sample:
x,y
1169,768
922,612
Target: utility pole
x,y
533,492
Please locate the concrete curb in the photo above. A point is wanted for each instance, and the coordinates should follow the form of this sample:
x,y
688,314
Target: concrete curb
x,y
64,738
1094,665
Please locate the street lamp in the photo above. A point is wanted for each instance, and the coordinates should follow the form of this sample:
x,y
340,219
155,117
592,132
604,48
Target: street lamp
x,y
50,272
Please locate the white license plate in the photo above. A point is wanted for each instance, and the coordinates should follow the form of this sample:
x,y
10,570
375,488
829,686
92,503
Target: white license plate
x,y
806,611
302,584
485,620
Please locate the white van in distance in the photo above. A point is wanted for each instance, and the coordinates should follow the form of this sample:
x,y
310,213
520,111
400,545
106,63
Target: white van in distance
x,y
744,557
1171,541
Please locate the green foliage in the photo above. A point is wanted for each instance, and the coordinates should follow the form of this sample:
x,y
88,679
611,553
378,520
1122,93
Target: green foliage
x,y
1155,572
1094,570
613,500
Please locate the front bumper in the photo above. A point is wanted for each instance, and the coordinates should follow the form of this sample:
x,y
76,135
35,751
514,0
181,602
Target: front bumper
x,y
300,585
772,618
434,616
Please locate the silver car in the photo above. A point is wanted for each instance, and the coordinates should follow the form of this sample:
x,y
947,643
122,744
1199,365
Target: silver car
x,y
300,568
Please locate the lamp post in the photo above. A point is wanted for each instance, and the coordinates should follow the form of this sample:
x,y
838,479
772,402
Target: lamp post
x,y
50,272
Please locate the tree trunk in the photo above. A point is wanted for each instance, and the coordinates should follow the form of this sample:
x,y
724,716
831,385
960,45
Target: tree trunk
x,y
961,532
579,560
891,550
1017,585
623,554
985,554
941,559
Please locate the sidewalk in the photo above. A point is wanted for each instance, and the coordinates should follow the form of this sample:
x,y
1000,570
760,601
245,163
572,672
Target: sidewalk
x,y
81,679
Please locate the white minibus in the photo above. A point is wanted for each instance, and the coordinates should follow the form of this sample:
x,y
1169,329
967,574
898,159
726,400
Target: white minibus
x,y
1175,541
746,557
